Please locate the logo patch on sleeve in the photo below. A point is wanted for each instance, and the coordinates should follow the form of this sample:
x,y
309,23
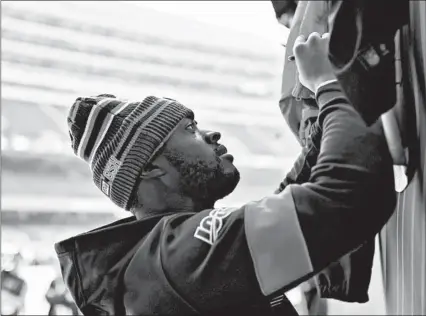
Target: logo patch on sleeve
x,y
210,226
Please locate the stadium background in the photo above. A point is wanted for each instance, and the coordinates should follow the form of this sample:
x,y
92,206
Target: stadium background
x,y
53,52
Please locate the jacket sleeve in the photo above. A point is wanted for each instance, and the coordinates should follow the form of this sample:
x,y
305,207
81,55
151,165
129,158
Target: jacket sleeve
x,y
301,170
348,199
223,257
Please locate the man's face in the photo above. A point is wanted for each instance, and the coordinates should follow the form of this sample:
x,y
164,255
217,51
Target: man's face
x,y
205,170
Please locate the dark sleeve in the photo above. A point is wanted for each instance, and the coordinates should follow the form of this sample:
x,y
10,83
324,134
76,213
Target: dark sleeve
x,y
349,197
301,170
223,257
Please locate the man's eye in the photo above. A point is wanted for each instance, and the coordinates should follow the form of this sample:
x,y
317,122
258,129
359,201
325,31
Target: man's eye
x,y
192,126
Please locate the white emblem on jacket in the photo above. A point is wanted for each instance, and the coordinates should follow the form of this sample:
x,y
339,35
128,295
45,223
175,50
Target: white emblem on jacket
x,y
210,226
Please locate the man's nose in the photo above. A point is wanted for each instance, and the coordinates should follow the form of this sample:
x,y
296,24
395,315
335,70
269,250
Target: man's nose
x,y
211,137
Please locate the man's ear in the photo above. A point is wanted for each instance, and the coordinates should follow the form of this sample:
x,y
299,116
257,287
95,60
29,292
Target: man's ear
x,y
152,173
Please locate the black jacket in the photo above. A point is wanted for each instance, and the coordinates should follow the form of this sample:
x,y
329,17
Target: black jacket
x,y
237,260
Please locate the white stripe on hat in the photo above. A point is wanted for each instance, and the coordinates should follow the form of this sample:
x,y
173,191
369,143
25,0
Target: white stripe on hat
x,y
105,126
134,122
144,124
89,126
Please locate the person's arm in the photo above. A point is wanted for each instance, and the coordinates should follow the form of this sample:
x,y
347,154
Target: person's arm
x,y
301,170
349,197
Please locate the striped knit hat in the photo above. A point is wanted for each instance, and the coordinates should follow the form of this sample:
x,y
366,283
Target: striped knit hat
x,y
119,138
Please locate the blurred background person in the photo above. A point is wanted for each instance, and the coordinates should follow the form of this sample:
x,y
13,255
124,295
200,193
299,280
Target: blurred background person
x,y
60,299
13,285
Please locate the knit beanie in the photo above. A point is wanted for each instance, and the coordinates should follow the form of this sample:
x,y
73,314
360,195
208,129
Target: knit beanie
x,y
118,138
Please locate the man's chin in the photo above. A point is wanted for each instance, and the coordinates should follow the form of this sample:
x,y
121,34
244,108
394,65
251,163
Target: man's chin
x,y
232,179
218,191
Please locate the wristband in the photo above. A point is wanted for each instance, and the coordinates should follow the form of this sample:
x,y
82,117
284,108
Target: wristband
x,y
322,84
